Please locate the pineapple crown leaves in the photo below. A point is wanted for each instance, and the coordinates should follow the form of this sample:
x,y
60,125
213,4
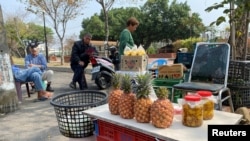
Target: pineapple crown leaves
x,y
162,92
126,83
143,88
116,80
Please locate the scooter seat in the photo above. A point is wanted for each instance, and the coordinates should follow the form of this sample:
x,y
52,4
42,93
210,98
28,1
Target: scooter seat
x,y
107,59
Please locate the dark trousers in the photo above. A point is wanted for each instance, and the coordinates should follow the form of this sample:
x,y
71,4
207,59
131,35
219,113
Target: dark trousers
x,y
79,76
117,66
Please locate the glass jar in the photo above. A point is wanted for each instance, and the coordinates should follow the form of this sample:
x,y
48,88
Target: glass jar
x,y
192,111
208,104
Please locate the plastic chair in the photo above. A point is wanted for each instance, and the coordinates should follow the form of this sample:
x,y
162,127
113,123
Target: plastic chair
x,y
19,90
155,64
209,71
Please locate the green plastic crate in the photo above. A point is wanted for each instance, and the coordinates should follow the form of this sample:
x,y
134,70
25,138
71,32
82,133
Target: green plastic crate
x,y
166,82
169,83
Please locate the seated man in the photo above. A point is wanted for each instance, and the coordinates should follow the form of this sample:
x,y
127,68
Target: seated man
x,y
79,60
36,59
32,74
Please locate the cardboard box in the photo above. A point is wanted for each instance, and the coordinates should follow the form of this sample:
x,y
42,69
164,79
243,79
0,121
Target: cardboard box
x,y
173,71
134,63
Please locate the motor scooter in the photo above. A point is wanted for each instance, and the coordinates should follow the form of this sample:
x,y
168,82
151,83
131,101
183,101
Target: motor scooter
x,y
102,71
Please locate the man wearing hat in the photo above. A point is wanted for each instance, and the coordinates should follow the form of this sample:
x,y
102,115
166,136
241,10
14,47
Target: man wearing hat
x,y
79,60
36,59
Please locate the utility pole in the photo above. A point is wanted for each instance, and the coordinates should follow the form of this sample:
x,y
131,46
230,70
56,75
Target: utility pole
x,y
45,38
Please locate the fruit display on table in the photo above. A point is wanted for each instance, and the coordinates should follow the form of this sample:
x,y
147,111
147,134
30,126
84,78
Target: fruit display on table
x,y
162,110
115,94
143,102
127,99
192,115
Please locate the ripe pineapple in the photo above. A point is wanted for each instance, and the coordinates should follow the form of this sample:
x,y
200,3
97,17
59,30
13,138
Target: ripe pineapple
x,y
162,110
127,99
115,94
143,102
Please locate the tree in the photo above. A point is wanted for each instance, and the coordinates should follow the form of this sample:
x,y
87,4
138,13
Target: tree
x,y
239,21
106,5
18,31
59,13
8,96
158,22
117,21
95,26
118,18
161,21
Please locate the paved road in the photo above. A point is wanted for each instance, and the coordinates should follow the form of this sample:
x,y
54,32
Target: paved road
x,y
36,121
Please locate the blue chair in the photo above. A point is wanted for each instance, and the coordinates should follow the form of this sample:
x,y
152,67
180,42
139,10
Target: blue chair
x,y
155,64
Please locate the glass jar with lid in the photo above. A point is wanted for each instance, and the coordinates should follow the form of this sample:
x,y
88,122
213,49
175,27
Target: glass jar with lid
x,y
192,111
208,104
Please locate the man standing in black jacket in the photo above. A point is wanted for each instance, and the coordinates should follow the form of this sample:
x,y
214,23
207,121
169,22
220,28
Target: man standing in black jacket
x,y
79,60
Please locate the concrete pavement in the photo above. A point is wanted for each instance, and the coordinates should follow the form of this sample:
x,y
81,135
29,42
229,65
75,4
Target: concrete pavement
x,y
36,121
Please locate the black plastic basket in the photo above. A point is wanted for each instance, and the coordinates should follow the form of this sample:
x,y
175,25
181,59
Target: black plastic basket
x,y
239,73
68,107
240,97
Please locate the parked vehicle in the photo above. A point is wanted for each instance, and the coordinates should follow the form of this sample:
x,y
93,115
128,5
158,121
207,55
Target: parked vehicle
x,y
102,70
114,56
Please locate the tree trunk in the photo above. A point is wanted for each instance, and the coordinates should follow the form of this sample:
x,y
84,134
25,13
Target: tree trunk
x,y
231,40
106,32
62,53
241,37
246,36
8,94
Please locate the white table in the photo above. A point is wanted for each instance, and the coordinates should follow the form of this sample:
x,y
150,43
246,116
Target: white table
x,y
175,132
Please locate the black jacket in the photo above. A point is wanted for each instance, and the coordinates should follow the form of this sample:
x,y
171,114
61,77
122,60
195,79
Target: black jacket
x,y
80,52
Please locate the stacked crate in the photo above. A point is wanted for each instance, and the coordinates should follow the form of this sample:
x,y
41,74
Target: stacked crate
x,y
239,83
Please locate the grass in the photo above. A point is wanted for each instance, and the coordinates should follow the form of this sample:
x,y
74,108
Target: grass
x,y
20,61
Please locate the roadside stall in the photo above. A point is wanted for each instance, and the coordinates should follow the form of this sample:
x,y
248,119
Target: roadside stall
x,y
110,127
148,121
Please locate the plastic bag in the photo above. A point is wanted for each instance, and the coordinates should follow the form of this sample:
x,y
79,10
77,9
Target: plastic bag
x,y
127,51
134,51
141,51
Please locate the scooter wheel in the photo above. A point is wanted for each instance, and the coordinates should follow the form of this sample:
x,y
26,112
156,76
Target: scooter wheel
x,y
103,81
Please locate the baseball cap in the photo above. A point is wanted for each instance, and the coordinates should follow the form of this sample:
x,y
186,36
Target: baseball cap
x,y
33,45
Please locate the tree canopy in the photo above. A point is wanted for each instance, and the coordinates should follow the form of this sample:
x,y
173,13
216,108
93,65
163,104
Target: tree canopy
x,y
159,21
59,12
18,31
238,12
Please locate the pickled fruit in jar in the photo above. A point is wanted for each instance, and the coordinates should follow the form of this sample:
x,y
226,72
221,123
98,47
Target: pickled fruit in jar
x,y
208,104
208,109
192,111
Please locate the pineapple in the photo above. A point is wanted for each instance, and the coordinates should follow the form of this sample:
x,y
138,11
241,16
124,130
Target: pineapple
x,y
115,94
143,102
162,110
127,99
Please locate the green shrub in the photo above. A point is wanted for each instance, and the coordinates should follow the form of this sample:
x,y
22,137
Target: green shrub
x,y
151,50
